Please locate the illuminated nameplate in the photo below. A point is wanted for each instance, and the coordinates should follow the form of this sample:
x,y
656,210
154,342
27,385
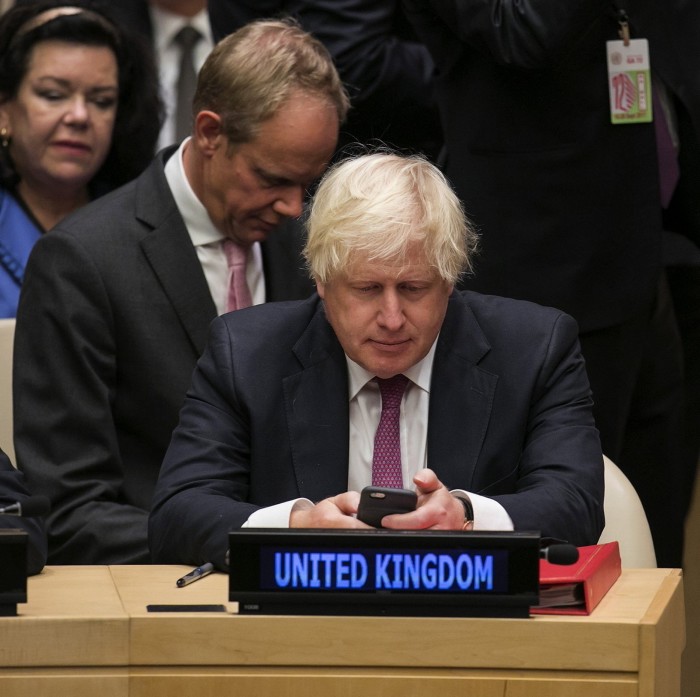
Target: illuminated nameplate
x,y
383,572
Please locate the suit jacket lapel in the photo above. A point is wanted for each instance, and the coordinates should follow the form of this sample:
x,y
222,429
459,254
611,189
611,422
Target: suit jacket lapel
x,y
168,248
283,265
461,397
317,412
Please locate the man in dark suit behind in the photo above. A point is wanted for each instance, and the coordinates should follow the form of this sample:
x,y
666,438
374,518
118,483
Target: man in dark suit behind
x,y
117,300
568,207
388,72
496,428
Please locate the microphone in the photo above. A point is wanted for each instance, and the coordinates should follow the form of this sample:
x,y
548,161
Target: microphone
x,y
563,554
34,506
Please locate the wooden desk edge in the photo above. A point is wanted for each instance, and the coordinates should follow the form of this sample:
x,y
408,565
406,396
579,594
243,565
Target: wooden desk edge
x,y
662,639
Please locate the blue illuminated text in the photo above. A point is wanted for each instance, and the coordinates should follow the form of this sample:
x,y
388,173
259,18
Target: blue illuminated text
x,y
383,571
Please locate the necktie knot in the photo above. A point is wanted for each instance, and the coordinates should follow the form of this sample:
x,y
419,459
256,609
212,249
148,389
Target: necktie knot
x,y
187,38
236,255
238,292
391,390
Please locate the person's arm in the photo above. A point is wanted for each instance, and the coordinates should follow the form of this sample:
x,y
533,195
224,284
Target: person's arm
x,y
527,35
205,482
226,16
202,487
388,71
65,377
560,485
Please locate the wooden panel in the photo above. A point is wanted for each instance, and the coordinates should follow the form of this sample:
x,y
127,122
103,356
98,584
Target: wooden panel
x,y
333,682
94,621
611,635
64,682
354,641
73,616
662,633
574,685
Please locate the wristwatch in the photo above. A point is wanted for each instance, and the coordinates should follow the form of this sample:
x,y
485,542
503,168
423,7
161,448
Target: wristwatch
x,y
468,523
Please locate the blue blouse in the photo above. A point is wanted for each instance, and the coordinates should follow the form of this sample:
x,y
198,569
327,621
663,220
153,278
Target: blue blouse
x,y
18,234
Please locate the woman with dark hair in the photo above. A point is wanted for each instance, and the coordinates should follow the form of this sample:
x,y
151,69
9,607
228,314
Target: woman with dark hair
x,y
79,116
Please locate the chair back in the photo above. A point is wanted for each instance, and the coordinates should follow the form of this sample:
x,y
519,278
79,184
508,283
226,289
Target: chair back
x,y
625,520
7,336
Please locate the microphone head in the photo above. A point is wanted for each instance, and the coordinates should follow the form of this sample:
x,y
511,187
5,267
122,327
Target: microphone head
x,y
563,554
35,506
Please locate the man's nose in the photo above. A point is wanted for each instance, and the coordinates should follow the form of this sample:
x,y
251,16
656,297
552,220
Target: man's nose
x,y
291,203
391,313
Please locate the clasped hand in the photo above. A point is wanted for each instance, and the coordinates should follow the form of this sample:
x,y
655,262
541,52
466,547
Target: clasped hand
x,y
436,509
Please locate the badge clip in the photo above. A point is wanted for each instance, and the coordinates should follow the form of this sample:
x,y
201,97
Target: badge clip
x,y
624,31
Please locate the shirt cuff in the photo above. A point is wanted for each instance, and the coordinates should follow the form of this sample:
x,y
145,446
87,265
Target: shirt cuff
x,y
276,516
488,514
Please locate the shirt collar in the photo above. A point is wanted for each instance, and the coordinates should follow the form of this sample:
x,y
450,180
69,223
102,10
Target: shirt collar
x,y
419,374
193,212
167,24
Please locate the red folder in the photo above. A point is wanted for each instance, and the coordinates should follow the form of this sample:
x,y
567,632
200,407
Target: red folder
x,y
577,588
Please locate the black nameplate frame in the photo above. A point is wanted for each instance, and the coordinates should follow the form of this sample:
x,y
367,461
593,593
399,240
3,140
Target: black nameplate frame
x,y
384,572
13,570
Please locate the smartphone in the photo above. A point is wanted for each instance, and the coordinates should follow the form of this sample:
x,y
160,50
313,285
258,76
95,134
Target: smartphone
x,y
378,501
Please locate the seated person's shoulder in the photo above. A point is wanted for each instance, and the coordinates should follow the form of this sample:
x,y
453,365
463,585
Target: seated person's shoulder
x,y
276,316
104,213
275,328
512,314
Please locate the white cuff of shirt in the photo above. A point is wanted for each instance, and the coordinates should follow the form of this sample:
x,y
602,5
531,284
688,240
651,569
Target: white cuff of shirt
x,y
276,516
488,514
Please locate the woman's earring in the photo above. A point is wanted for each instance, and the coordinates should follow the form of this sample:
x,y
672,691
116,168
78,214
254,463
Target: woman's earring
x,y
4,137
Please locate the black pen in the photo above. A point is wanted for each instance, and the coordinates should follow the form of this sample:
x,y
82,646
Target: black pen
x,y
195,574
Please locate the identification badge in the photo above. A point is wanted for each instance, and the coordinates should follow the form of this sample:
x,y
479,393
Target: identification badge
x,y
629,81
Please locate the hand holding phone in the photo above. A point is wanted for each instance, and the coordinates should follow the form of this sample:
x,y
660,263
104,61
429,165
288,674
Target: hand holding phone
x,y
377,501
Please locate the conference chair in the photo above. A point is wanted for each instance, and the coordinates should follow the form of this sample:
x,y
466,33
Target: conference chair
x,y
7,335
625,520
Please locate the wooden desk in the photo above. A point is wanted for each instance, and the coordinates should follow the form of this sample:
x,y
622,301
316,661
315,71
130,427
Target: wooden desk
x,y
630,646
71,638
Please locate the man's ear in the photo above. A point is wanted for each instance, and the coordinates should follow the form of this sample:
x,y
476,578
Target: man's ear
x,y
320,289
208,132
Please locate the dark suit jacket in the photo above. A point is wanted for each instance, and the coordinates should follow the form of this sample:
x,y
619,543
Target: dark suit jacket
x,y
113,316
387,71
266,420
135,15
672,29
567,203
13,489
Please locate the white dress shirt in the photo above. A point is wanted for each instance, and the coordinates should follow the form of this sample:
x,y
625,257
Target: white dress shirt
x,y
365,412
165,26
208,241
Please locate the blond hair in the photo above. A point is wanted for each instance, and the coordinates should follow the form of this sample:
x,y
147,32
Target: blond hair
x,y
378,206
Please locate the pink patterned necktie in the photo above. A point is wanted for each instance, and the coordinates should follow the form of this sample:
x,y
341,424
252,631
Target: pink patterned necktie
x,y
238,291
386,460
